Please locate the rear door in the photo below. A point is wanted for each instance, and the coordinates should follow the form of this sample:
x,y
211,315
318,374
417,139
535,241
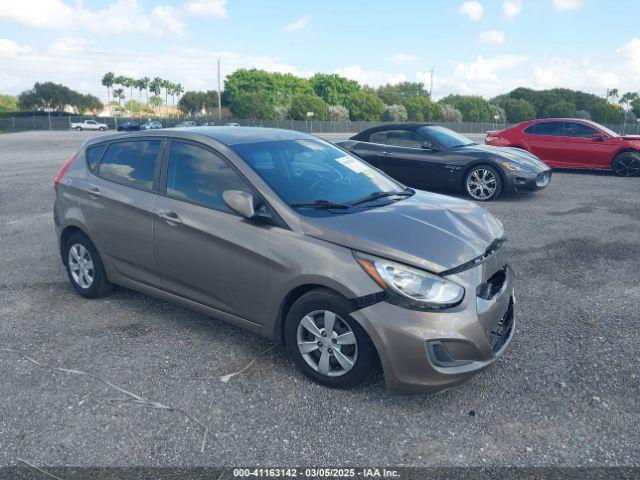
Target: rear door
x,y
546,140
119,207
585,150
205,252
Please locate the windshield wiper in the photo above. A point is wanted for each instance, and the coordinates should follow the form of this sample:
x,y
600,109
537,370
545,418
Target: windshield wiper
x,y
320,204
378,195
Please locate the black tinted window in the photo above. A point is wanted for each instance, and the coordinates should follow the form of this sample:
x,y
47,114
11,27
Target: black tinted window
x,y
131,163
378,137
200,176
576,129
545,128
93,156
404,138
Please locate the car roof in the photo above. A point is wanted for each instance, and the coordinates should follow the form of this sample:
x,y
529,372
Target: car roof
x,y
392,126
224,135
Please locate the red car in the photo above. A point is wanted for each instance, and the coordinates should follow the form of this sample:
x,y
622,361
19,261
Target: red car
x,y
573,143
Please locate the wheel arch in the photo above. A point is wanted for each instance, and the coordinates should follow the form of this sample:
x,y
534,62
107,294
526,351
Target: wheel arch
x,y
624,150
64,236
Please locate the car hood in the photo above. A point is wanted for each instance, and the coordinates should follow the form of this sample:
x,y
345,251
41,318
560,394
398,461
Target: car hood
x,y
516,155
431,231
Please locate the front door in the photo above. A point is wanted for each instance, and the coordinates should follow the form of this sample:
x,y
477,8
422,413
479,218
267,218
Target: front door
x,y
204,251
585,150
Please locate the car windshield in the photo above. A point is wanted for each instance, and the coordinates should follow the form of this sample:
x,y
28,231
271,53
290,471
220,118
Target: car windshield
x,y
310,172
445,137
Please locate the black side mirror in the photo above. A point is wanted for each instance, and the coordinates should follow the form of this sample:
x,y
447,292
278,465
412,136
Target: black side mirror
x,y
427,145
597,136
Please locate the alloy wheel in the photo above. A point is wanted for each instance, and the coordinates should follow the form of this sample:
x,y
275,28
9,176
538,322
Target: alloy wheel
x,y
627,167
81,265
482,184
327,343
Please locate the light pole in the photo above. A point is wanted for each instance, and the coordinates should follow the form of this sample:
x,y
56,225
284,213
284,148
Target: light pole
x,y
638,122
310,117
496,117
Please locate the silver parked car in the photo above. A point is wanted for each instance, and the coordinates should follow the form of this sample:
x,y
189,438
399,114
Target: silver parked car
x,y
151,125
295,239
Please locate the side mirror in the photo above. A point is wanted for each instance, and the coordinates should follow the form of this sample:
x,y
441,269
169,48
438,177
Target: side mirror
x,y
240,202
597,136
426,145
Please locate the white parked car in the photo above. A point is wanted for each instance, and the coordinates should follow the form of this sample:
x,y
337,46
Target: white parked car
x,y
89,125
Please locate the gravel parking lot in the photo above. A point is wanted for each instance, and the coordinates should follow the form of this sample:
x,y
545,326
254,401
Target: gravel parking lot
x,y
565,393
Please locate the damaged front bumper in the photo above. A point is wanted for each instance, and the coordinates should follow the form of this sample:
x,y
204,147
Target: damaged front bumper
x,y
428,351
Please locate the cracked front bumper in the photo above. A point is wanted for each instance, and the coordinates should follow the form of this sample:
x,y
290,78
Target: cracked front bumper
x,y
431,351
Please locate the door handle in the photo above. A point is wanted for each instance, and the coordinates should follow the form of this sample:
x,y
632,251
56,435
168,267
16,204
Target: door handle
x,y
388,154
170,217
94,192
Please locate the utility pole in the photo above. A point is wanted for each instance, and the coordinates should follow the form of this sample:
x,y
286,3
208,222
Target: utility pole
x,y
431,87
219,96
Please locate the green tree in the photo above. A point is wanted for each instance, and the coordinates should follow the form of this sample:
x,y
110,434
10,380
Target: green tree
x,y
421,109
301,104
254,106
333,88
364,106
395,113
398,93
473,108
561,109
450,113
635,107
48,96
338,113
194,103
277,88
8,103
518,110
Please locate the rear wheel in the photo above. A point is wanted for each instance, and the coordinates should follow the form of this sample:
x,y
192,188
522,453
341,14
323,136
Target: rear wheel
x,y
483,183
626,164
79,129
84,267
326,343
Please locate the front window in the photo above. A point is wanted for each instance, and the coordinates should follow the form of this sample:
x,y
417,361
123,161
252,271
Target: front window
x,y
314,171
579,130
445,137
404,138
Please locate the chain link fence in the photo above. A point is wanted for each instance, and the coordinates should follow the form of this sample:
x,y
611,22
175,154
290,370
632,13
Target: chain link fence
x,y
44,122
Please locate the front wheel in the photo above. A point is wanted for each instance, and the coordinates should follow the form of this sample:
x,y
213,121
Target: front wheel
x,y
102,129
483,183
79,129
627,164
326,343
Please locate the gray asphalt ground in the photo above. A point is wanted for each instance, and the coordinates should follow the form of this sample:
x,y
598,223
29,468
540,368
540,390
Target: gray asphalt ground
x,y
566,393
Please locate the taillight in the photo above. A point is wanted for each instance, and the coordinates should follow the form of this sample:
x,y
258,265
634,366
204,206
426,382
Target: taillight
x,y
63,170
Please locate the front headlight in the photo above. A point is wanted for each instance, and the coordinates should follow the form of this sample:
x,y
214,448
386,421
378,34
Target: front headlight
x,y
411,287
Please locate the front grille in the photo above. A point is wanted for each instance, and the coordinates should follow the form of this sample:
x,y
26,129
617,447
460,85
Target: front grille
x,y
499,334
493,286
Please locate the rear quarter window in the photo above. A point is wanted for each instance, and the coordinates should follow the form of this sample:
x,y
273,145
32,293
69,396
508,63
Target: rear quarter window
x,y
94,154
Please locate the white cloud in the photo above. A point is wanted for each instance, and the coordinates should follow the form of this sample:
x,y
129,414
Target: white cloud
x,y
569,73
370,77
492,37
567,5
10,48
473,10
298,24
207,8
401,58
119,17
511,8
631,52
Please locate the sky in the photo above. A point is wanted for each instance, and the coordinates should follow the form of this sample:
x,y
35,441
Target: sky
x,y
483,47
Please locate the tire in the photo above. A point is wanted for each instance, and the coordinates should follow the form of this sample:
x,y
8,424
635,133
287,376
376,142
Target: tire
x,y
78,247
357,349
483,183
626,164
102,129
79,129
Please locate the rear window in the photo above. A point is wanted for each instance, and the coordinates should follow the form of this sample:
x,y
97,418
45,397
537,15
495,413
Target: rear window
x,y
131,163
93,155
545,128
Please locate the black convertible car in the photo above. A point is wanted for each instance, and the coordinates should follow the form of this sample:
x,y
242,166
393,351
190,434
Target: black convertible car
x,y
433,157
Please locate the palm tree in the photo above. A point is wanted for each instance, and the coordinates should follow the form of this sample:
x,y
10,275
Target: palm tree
x,y
613,94
625,100
119,94
156,87
178,89
145,84
140,87
107,81
166,84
